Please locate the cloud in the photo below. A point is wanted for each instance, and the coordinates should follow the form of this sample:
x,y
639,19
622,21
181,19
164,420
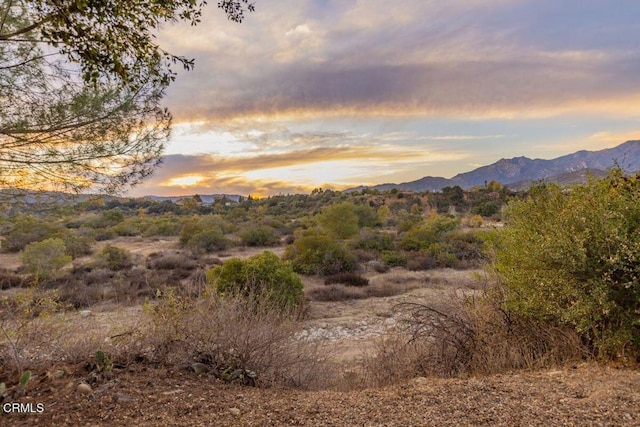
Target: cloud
x,y
310,91
291,171
296,59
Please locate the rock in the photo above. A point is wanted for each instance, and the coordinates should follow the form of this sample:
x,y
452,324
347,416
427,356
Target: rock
x,y
235,412
121,397
84,388
86,313
200,368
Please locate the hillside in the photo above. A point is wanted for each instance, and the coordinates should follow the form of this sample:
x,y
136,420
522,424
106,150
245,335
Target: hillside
x,y
522,170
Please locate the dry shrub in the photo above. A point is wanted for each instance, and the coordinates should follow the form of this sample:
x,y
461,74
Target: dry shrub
x,y
347,279
335,293
37,332
388,289
465,337
236,340
378,266
170,261
421,261
9,279
339,292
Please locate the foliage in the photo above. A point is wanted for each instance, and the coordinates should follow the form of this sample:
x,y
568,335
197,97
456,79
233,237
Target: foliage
x,y
262,276
428,232
78,243
367,216
42,259
259,236
319,254
487,209
339,220
114,258
28,229
375,240
394,258
208,240
116,40
83,110
574,259
166,225
197,225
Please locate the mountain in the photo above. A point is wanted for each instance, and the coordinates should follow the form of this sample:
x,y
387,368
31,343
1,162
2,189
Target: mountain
x,y
521,171
564,179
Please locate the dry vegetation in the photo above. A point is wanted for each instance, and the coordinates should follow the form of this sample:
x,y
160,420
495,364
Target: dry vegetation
x,y
389,298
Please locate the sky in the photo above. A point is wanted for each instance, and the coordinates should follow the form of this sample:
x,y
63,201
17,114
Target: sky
x,y
340,93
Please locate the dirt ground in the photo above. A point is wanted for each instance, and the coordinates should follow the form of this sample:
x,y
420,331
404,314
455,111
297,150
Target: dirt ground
x,y
581,395
585,394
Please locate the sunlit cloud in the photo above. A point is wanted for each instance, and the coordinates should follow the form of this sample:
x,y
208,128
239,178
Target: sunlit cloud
x,y
184,181
310,92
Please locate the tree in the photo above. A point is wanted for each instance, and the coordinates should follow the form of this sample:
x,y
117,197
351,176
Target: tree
x,y
340,220
42,259
573,258
80,89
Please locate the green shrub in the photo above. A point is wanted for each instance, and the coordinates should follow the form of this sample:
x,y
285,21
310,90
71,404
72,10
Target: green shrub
x,y
374,240
394,258
319,254
259,236
163,226
128,227
428,232
367,216
208,241
573,258
28,229
195,226
339,220
487,209
78,243
114,258
111,217
262,276
43,259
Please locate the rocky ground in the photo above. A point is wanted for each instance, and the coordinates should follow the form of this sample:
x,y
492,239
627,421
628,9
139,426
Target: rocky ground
x,y
142,395
585,394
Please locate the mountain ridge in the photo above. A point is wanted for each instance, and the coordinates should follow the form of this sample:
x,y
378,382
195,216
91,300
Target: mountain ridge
x,y
517,171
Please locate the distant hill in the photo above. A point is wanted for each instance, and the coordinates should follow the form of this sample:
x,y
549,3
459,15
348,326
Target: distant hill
x,y
564,179
519,172
206,198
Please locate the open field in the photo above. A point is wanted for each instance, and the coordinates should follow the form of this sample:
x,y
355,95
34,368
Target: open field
x,y
583,394
146,319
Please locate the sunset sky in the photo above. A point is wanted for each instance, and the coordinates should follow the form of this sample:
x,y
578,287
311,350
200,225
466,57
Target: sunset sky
x,y
338,93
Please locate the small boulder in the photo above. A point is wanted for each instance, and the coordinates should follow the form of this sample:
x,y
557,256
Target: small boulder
x,y
84,388
200,368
